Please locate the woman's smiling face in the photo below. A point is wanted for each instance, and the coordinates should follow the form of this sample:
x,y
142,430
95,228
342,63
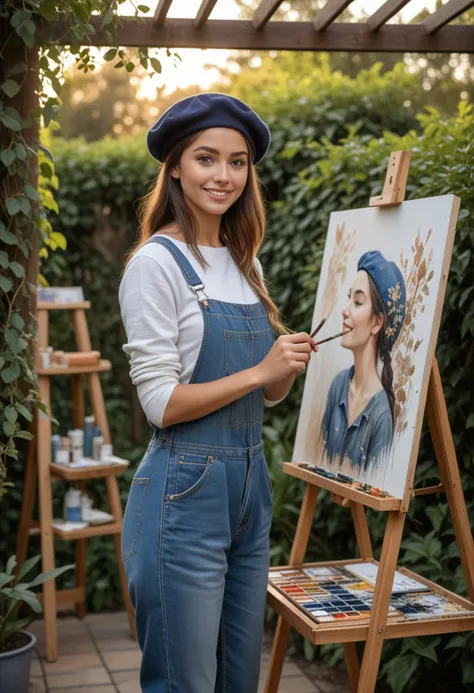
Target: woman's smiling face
x,y
357,315
213,170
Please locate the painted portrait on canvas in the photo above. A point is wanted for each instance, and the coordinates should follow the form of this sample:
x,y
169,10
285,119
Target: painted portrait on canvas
x,y
382,286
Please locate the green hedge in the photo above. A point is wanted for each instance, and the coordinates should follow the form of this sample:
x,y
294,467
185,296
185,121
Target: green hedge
x,y
310,171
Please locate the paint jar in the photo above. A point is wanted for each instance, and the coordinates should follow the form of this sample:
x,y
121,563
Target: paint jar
x,y
44,358
89,427
77,443
97,442
60,359
86,504
62,457
106,452
72,505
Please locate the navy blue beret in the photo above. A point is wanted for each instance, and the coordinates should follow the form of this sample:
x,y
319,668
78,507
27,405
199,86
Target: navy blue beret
x,y
204,111
391,285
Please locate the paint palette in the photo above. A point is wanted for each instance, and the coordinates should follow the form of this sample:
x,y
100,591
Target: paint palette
x,y
332,594
324,593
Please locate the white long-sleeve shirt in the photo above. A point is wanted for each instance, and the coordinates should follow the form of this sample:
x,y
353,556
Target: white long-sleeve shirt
x,y
163,319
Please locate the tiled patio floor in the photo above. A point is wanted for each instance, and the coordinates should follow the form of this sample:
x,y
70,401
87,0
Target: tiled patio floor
x,y
97,655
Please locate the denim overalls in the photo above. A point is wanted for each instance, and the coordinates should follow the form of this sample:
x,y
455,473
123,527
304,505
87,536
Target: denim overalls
x,y
195,536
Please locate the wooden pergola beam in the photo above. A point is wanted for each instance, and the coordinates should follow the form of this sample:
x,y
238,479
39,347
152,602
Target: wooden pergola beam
x,y
161,12
203,13
384,13
331,10
291,36
264,13
445,14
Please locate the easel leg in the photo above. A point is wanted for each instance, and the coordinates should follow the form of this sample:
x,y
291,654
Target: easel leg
x,y
440,429
27,503
46,522
365,551
352,665
300,542
381,603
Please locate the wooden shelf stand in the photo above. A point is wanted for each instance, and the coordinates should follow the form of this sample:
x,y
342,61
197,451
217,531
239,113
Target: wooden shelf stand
x,y
41,471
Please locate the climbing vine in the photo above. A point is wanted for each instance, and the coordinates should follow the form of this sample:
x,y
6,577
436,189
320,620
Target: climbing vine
x,y
31,72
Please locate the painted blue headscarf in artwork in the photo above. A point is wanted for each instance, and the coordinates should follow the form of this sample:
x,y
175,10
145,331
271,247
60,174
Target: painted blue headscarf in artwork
x,y
204,111
390,283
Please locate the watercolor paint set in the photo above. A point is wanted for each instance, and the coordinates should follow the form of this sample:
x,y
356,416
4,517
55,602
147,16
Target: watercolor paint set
x,y
332,594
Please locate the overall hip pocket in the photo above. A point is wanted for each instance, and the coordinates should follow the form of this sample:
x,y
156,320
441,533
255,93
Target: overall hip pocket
x,y
244,350
191,473
132,521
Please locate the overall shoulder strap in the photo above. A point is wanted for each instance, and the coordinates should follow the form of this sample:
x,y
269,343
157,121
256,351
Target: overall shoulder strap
x,y
190,275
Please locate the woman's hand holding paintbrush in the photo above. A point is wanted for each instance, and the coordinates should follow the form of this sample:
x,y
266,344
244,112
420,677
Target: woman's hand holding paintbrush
x,y
288,356
328,339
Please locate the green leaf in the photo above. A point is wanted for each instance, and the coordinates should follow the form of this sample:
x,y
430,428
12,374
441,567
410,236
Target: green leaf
x,y
8,428
46,169
17,321
29,598
7,236
4,261
11,88
13,206
156,65
11,414
108,17
24,412
20,151
26,435
26,566
50,575
5,284
31,192
5,578
11,119
11,563
7,156
130,66
17,269
110,54
10,373
13,626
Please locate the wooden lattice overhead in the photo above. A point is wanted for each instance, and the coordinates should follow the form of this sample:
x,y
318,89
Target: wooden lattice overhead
x,y
434,35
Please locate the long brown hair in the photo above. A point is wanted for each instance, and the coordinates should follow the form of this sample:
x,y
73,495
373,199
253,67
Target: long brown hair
x,y
382,346
242,226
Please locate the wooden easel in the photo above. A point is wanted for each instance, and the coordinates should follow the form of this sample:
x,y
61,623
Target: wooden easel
x,y
39,464
363,680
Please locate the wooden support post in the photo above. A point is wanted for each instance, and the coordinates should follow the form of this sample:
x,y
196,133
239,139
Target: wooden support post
x,y
298,550
381,602
43,444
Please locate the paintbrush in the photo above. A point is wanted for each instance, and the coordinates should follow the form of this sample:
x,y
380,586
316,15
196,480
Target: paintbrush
x,y
321,324
334,336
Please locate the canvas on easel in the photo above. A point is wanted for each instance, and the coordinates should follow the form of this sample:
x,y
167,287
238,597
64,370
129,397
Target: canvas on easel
x,y
362,599
417,237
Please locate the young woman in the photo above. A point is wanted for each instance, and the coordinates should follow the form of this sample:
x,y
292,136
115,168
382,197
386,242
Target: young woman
x,y
359,418
201,339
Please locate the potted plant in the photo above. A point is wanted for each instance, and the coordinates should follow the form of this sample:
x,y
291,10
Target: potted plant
x,y
16,644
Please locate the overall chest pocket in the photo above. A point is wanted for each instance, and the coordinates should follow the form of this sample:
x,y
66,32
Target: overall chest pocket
x,y
244,350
